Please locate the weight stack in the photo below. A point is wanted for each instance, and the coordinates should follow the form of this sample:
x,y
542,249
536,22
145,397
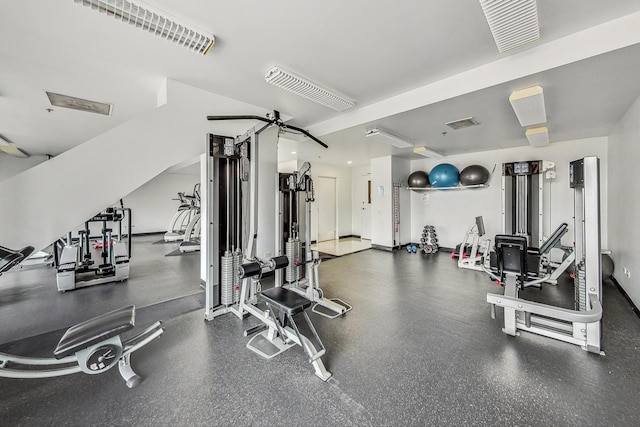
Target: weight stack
x,y
226,278
237,260
293,251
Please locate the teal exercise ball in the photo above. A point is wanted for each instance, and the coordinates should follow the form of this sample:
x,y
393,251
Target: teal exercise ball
x,y
444,175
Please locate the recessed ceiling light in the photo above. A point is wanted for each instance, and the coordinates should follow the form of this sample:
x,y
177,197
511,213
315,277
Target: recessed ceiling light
x,y
349,162
293,152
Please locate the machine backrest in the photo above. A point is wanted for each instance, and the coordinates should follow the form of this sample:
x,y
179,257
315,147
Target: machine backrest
x,y
554,239
511,254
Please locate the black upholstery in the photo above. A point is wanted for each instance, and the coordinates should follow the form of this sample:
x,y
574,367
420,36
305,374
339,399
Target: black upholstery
x,y
10,257
95,330
285,300
552,241
511,254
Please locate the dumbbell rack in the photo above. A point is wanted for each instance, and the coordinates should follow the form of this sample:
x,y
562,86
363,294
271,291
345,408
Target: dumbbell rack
x,y
429,240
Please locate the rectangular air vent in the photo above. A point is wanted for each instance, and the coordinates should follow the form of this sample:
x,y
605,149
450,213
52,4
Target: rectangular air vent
x,y
462,123
66,101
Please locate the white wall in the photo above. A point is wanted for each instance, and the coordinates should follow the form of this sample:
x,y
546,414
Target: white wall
x,y
84,180
10,166
452,212
360,206
152,205
623,224
400,170
343,187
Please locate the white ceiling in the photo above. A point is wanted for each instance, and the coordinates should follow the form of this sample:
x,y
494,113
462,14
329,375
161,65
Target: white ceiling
x,y
410,66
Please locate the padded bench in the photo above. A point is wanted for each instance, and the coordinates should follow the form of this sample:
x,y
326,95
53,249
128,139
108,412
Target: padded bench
x,y
285,300
96,330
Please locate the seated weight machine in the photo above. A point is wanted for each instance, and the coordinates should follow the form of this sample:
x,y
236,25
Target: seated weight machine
x,y
92,347
234,197
76,265
474,248
581,326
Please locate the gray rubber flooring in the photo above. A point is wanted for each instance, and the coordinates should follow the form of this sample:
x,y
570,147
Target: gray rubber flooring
x,y
418,348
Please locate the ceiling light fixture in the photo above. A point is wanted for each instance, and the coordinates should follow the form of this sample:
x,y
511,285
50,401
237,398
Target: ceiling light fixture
x,y
381,135
10,148
462,123
528,105
424,151
513,23
155,22
538,137
80,104
301,86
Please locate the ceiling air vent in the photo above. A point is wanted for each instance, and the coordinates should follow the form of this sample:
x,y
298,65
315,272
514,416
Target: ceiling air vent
x,y
79,104
462,123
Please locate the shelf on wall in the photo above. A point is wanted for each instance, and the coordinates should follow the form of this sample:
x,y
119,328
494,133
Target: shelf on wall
x,y
459,187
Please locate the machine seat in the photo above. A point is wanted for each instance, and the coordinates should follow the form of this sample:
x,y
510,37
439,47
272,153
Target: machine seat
x,y
95,330
285,300
9,257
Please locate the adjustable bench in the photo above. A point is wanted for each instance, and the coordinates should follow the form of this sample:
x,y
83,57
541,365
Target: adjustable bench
x,y
93,346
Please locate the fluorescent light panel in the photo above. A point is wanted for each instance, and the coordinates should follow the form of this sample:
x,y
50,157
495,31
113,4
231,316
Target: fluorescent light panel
x,y
424,151
288,80
10,148
528,104
155,22
538,137
513,23
385,137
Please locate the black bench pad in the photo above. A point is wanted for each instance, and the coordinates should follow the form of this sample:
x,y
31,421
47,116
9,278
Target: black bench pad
x,y
286,300
95,330
9,257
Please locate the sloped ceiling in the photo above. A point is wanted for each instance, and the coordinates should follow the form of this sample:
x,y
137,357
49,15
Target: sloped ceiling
x,y
377,53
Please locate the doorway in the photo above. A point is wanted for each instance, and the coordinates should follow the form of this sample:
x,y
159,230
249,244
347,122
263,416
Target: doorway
x,y
326,204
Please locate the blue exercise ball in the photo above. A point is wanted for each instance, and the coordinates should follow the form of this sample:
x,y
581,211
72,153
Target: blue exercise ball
x,y
418,179
474,175
444,175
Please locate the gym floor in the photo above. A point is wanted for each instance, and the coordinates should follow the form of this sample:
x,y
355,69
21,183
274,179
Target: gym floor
x,y
418,348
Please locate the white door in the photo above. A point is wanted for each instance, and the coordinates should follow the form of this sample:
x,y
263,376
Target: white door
x,y
326,201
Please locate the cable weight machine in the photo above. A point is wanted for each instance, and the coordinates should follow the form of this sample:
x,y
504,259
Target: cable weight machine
x,y
239,244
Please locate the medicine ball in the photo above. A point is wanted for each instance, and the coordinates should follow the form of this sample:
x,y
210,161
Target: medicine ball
x,y
444,175
418,179
607,267
474,175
